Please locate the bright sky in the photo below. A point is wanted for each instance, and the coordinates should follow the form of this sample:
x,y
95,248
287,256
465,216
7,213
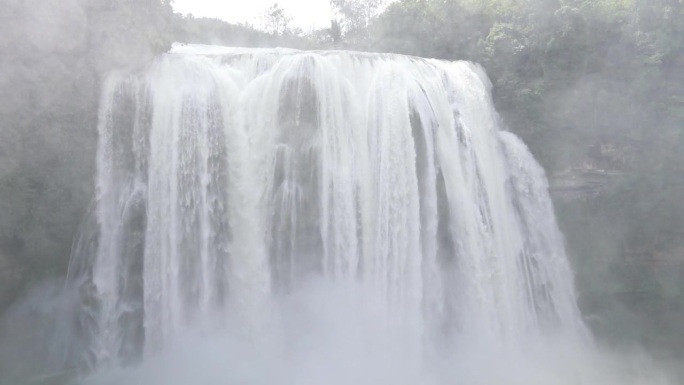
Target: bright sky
x,y
304,13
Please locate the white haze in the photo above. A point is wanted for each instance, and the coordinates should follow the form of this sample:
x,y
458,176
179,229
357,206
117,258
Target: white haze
x,y
332,334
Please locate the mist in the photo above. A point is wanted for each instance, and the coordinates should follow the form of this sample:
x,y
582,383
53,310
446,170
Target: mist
x,y
315,340
593,89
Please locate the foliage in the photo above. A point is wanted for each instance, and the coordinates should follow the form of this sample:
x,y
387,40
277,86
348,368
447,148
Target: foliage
x,y
354,20
191,30
124,33
276,22
410,27
355,14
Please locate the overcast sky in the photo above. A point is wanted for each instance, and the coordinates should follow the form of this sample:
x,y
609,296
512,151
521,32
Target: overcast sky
x,y
304,13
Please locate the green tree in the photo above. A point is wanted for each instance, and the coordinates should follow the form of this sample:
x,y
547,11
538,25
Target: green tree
x,y
355,19
275,21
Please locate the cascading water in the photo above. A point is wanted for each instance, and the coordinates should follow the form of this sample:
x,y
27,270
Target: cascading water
x,y
230,179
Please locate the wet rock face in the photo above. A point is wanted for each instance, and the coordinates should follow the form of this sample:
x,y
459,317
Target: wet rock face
x,y
11,277
628,275
581,184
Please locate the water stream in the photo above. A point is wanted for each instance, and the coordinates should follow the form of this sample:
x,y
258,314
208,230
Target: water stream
x,y
277,216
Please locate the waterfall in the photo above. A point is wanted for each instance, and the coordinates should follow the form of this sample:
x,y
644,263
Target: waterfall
x,y
229,179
